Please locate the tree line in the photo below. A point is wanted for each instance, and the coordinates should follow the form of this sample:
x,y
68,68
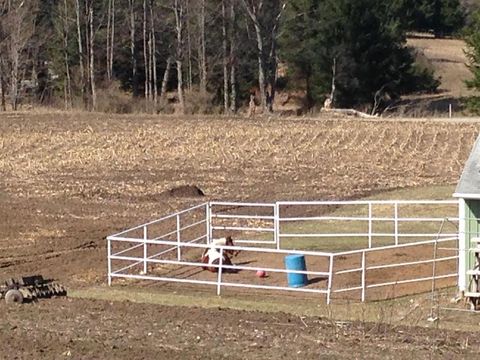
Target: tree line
x,y
206,55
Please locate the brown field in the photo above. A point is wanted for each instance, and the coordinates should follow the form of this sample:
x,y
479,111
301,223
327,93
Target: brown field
x,y
68,180
448,59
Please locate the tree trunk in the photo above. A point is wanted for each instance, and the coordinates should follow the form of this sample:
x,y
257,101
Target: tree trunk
x,y
14,76
150,67
233,75
203,51
166,77
80,51
272,78
154,55
334,86
3,87
178,9
273,62
189,48
110,38
226,94
109,25
261,72
145,56
68,83
92,57
133,59
252,13
14,56
18,26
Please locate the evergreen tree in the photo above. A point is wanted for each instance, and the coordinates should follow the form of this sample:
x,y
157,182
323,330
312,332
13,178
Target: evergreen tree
x,y
472,39
298,44
449,19
357,45
442,17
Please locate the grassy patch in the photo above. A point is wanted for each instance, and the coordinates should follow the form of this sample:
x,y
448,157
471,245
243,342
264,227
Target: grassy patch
x,y
410,310
380,226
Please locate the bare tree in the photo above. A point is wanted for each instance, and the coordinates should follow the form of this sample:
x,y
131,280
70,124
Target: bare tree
x,y
166,77
67,86
150,65
254,9
19,26
145,52
226,88
80,50
92,57
189,45
3,87
334,85
90,41
149,54
133,59
202,55
153,53
110,37
272,57
3,51
179,8
233,75
273,61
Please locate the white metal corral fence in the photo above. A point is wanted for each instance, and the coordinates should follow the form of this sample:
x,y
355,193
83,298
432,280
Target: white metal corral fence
x,y
169,249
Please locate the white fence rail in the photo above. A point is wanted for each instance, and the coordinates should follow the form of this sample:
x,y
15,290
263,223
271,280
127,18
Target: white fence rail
x,y
370,217
247,228
364,268
270,232
220,282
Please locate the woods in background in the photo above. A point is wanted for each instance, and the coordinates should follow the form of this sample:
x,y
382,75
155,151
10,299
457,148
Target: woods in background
x,y
204,56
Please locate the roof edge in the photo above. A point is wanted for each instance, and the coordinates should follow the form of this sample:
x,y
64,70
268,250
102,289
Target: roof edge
x,y
466,196
467,185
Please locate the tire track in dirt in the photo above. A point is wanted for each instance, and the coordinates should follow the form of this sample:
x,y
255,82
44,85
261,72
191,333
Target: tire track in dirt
x,y
8,261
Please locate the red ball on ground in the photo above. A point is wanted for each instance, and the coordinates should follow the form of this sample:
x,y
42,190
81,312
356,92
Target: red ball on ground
x,y
261,273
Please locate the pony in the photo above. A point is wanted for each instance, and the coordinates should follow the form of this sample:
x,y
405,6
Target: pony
x,y
212,255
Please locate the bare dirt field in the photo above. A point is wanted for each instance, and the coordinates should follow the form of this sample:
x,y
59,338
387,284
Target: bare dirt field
x,y
68,180
82,329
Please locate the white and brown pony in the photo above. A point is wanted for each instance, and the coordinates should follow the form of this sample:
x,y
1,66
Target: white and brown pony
x,y
212,255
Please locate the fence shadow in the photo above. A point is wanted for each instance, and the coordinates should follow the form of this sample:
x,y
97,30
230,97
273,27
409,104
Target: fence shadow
x,y
317,280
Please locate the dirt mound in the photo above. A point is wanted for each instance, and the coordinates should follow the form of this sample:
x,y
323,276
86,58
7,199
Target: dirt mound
x,y
186,191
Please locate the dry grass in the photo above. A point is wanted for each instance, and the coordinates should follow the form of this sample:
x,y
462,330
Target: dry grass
x,y
449,62
409,310
104,156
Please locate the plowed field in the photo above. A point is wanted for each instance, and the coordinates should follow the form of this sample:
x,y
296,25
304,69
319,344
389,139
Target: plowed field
x,y
68,180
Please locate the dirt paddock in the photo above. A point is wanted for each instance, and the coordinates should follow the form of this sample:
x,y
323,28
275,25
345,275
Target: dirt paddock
x,y
321,264
69,180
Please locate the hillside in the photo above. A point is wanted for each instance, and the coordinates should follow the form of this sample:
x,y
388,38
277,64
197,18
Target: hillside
x,y
448,60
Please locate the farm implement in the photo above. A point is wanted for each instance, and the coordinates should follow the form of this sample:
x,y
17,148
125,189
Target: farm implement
x,y
30,288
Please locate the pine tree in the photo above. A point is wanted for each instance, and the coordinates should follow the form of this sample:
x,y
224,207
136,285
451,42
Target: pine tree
x,y
442,17
354,50
473,55
300,29
450,18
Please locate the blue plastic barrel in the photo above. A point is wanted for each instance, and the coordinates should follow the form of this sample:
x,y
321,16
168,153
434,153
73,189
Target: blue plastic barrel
x,y
296,262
